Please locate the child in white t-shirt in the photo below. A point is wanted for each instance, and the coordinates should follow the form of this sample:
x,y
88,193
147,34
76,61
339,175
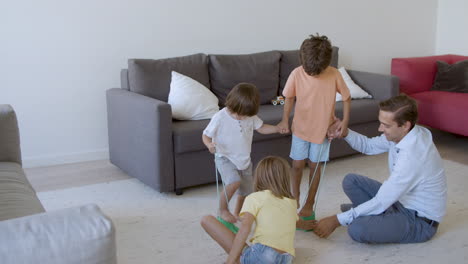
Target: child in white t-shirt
x,y
229,136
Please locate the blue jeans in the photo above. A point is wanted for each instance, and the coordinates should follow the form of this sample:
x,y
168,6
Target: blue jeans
x,y
397,224
261,254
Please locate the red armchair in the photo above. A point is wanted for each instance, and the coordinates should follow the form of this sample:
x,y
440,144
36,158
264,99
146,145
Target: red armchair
x,y
446,111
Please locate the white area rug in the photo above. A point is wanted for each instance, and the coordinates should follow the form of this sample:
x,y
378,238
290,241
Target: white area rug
x,y
164,228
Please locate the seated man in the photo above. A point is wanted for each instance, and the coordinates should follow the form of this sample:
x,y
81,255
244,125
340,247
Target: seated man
x,y
409,205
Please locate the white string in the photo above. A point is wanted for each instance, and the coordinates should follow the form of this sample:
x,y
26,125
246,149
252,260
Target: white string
x,y
217,178
313,176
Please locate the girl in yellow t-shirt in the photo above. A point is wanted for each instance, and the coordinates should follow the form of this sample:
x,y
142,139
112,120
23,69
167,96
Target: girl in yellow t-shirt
x,y
273,209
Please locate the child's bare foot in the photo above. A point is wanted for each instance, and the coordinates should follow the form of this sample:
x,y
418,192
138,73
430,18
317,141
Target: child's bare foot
x,y
227,216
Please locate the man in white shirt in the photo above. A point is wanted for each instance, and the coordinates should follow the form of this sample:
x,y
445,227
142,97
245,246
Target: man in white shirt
x,y
410,204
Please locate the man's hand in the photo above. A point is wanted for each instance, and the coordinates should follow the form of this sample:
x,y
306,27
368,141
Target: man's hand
x,y
326,226
283,126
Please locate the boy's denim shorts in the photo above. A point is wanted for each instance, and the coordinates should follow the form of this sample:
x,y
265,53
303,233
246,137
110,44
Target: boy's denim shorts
x,y
258,253
230,174
301,150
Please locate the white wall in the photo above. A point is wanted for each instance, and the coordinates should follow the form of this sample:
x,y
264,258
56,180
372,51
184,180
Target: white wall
x,y
59,57
452,24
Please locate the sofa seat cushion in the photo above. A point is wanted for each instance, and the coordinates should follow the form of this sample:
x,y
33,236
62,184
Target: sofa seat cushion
x,y
187,135
362,111
260,69
153,77
443,110
17,197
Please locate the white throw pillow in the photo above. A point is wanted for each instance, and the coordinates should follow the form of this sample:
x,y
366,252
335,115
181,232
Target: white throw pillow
x,y
355,91
191,100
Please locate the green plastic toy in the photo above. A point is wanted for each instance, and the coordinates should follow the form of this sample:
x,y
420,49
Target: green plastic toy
x,y
312,217
229,225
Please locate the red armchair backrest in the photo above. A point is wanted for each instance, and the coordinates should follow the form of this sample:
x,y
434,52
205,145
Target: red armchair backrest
x,y
417,74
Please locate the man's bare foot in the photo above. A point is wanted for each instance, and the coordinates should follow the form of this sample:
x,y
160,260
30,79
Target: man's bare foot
x,y
227,216
306,224
306,211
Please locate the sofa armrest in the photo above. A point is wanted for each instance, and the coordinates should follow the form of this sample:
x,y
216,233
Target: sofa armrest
x,y
72,235
9,135
140,137
380,86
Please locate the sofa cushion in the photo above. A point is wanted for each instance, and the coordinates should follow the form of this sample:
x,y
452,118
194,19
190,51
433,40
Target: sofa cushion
x,y
17,197
187,134
451,77
443,110
260,69
190,100
153,77
290,60
10,139
417,74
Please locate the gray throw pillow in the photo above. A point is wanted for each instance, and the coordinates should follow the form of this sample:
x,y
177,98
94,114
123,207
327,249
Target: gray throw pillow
x,y
153,77
451,77
260,69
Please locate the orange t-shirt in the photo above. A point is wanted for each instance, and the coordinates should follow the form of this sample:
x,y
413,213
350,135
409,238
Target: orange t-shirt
x,y
315,101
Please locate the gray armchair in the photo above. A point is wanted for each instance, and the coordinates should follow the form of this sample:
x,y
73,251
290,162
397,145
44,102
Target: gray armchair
x,y
29,234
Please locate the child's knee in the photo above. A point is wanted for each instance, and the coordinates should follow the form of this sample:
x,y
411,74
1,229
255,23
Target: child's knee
x,y
234,185
206,220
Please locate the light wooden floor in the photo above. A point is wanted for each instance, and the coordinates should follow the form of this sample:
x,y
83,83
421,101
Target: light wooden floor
x,y
451,147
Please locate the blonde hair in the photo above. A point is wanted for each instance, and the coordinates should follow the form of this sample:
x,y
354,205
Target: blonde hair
x,y
274,174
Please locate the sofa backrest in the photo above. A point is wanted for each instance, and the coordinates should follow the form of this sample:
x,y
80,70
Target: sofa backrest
x,y
290,60
153,77
260,69
417,74
267,70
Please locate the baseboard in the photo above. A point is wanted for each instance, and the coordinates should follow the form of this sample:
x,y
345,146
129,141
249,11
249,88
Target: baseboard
x,y
50,160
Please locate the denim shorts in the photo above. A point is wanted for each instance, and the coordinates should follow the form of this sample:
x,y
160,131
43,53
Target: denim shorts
x,y
230,174
259,254
301,150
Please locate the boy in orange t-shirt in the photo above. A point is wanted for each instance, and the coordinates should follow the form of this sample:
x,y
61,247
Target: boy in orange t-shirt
x,y
314,85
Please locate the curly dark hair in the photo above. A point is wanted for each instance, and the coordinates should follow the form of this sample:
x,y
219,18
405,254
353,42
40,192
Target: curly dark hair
x,y
316,54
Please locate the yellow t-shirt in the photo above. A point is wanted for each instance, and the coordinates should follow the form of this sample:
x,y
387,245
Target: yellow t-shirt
x,y
315,101
275,220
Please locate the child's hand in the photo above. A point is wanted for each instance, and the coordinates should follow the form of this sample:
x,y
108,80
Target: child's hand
x,y
211,147
343,130
283,127
335,129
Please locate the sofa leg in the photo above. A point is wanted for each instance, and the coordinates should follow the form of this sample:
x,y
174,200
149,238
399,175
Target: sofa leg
x,y
178,191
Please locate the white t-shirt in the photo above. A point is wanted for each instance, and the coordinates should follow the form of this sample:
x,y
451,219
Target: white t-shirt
x,y
233,138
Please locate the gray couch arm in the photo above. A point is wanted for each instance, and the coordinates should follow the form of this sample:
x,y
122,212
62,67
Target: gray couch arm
x,y
380,86
9,135
73,236
140,137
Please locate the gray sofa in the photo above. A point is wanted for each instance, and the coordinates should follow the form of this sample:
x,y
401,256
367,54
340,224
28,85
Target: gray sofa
x,y
28,234
168,154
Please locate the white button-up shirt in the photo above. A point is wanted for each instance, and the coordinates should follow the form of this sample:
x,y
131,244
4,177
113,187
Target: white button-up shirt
x,y
417,178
